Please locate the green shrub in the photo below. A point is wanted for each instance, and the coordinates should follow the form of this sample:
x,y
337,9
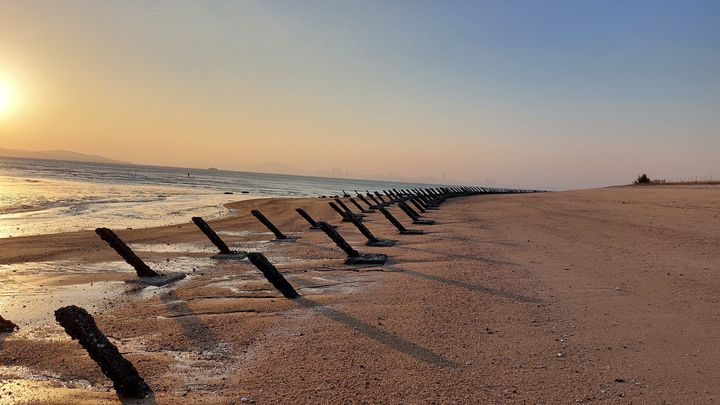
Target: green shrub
x,y
642,179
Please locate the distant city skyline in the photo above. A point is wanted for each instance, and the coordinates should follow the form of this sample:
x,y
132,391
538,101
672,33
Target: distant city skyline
x,y
545,94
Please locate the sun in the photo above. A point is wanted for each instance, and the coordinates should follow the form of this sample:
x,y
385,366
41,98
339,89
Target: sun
x,y
7,96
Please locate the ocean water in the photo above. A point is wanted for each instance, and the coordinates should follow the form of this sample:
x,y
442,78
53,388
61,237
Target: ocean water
x,y
44,196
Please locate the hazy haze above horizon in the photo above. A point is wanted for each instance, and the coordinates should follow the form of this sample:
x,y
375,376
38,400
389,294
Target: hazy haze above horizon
x,y
559,94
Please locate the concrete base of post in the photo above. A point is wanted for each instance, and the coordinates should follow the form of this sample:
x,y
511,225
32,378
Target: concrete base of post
x,y
287,239
233,255
367,258
412,232
157,281
381,243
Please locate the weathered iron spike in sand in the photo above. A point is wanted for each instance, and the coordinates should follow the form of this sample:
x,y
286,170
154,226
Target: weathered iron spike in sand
x,y
339,240
307,217
354,257
379,196
343,214
407,212
355,203
430,203
403,231
409,209
347,210
372,240
363,199
269,225
365,231
417,205
142,269
80,325
272,275
214,238
7,326
377,203
414,215
417,216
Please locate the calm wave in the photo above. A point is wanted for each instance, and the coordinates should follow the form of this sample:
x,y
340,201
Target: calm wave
x,y
44,196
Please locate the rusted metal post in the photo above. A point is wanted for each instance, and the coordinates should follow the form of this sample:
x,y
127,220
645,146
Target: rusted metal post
x,y
363,199
403,231
346,209
339,240
345,216
359,207
379,196
308,218
142,269
214,238
273,275
414,215
278,235
371,239
412,212
80,325
417,205
353,256
377,203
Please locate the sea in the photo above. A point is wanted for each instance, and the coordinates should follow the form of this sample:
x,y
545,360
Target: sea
x,y
49,196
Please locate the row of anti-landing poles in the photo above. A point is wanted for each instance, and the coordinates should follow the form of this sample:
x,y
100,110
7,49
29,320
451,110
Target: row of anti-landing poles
x,y
80,325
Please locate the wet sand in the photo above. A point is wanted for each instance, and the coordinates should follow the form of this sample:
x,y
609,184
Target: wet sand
x,y
606,295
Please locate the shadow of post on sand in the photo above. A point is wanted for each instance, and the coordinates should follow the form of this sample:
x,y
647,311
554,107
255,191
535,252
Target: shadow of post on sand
x,y
377,334
467,286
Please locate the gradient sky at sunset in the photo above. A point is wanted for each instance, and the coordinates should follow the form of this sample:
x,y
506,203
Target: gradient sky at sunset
x,y
530,93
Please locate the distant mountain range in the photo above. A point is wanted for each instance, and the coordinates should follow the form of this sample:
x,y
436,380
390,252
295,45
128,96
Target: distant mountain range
x,y
56,155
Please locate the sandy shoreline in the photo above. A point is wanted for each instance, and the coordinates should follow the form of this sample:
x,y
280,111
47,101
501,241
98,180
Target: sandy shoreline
x,y
599,295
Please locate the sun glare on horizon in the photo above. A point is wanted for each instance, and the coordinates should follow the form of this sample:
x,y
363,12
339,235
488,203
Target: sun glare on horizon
x,y
8,96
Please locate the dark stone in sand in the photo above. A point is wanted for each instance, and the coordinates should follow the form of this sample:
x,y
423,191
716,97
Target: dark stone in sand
x,y
7,326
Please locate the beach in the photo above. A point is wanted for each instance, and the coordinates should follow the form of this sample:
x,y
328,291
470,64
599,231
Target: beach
x,y
605,295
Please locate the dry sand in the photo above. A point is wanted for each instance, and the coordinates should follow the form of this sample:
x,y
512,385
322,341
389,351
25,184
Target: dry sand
x,y
604,295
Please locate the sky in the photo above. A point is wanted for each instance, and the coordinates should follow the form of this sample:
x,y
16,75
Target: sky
x,y
545,94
